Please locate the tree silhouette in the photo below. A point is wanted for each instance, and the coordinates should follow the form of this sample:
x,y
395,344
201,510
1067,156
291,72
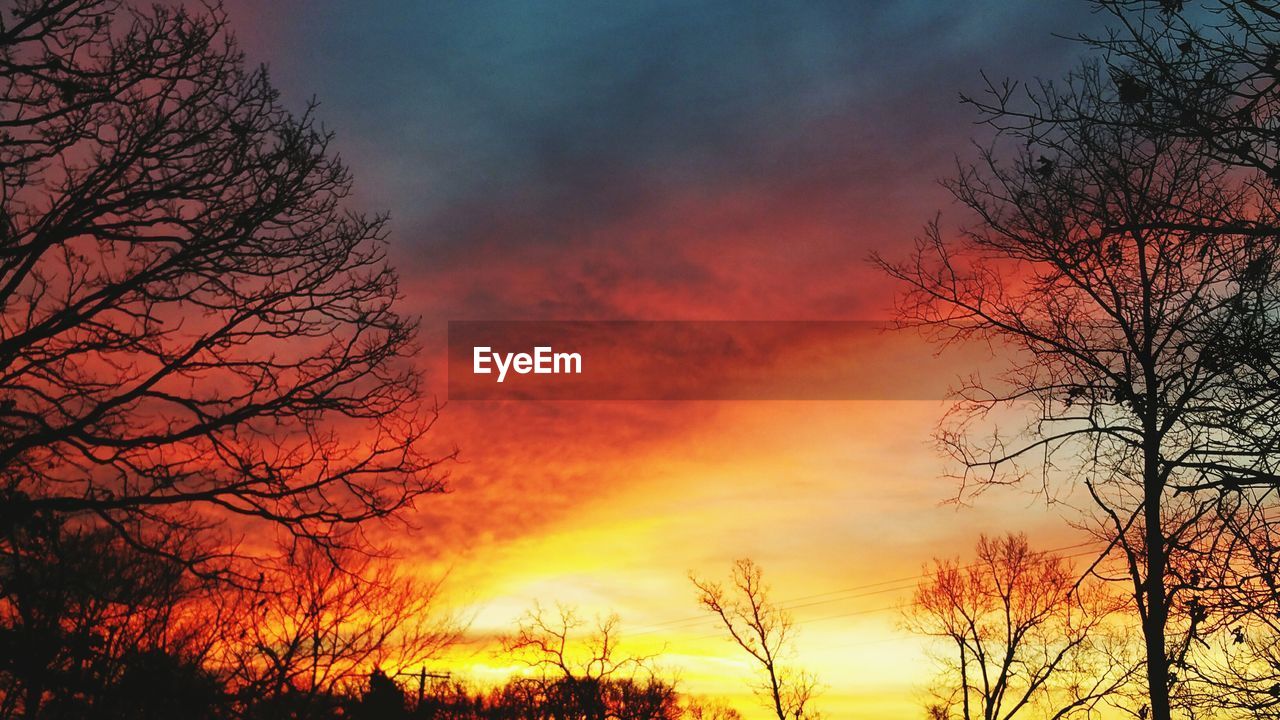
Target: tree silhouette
x,y
1207,75
382,700
1019,635
764,631
158,685
194,326
710,710
318,625
1203,72
90,625
1138,310
526,698
1237,669
582,675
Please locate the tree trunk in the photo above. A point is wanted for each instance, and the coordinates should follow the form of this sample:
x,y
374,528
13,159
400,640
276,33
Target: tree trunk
x,y
32,701
777,692
1157,610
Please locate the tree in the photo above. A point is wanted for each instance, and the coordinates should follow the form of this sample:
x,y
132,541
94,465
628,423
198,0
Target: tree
x,y
710,710
1205,73
1131,279
583,675
525,698
90,625
1237,672
764,631
318,625
1019,634
194,324
382,699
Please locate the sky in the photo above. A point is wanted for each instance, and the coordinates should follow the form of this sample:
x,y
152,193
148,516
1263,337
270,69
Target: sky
x,y
673,161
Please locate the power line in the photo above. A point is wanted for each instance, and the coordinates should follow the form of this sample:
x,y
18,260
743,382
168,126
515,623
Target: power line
x,y
888,608
875,588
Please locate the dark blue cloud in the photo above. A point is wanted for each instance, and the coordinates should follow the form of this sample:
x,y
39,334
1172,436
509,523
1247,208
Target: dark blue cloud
x,y
460,100
567,113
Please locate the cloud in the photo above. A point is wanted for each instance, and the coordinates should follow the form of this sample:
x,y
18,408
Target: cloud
x,y
657,160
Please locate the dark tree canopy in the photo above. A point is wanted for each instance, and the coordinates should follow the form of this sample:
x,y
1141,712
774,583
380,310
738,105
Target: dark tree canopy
x,y
194,324
92,627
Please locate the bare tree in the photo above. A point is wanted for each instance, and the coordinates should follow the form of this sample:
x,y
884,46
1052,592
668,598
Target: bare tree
x,y
765,631
1020,635
1205,72
1139,315
84,617
580,672
193,325
1237,668
553,642
701,709
317,626
1205,75
624,697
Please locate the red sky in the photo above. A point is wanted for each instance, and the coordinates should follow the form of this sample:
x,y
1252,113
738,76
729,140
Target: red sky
x,y
647,162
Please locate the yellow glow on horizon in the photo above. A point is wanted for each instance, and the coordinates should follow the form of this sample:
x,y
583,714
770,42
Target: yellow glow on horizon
x,y
825,496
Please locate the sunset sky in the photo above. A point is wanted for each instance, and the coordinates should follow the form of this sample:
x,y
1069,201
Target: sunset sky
x,y
658,161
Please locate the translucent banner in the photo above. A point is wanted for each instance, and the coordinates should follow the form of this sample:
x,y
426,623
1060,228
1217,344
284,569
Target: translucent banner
x,y
730,360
